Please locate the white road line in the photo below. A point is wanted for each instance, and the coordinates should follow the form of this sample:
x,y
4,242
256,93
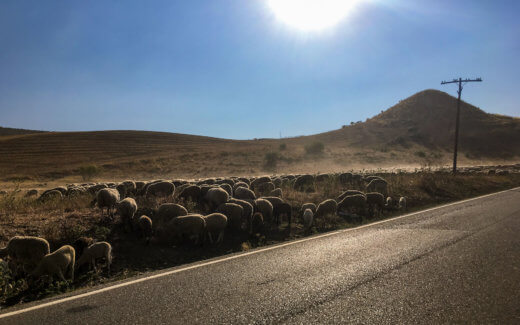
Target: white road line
x,y
223,259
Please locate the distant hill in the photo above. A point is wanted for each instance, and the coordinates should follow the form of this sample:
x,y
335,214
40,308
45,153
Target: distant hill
x,y
417,127
12,131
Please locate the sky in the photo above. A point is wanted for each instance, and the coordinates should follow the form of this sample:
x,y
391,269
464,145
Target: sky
x,y
233,69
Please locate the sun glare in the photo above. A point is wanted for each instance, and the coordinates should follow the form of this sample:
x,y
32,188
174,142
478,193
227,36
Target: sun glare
x,y
311,15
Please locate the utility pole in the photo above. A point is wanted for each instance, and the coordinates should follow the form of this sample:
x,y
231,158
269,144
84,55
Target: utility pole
x,y
459,92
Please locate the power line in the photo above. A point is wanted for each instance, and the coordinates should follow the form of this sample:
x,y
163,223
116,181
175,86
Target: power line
x,y
459,92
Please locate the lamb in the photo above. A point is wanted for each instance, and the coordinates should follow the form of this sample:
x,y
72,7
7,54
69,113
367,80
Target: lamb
x,y
265,207
191,225
276,192
58,263
327,207
167,212
126,209
353,203
216,224
160,189
378,185
215,197
96,251
107,198
243,193
146,227
402,203
375,200
308,218
233,212
25,251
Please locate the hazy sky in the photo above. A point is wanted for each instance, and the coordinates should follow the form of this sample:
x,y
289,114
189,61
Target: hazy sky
x,y
230,68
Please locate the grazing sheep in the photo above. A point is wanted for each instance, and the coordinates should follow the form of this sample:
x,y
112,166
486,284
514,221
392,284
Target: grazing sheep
x,y
126,209
246,206
276,192
402,203
122,190
243,193
370,178
95,188
190,193
215,197
321,178
139,186
327,207
378,185
81,243
306,206
282,209
353,203
146,227
25,251
265,207
345,178
233,212
260,180
256,224
274,200
348,193
375,202
227,188
58,263
130,187
50,194
308,218
216,224
304,183
160,189
244,180
239,184
107,198
167,212
95,251
192,226
264,188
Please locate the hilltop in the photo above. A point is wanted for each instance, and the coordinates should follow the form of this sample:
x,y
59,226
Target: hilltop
x,y
416,131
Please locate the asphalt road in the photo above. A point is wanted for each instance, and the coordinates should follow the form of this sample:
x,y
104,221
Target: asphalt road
x,y
454,264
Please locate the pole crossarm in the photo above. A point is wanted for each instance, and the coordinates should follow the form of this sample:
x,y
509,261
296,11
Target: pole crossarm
x,y
461,80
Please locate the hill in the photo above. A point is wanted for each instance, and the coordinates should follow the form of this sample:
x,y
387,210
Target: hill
x,y
12,131
416,131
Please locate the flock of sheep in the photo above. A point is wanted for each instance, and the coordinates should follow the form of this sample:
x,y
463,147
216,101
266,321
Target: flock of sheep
x,y
235,205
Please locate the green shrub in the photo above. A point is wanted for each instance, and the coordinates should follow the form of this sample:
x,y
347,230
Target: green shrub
x,y
271,160
282,146
420,154
315,148
88,172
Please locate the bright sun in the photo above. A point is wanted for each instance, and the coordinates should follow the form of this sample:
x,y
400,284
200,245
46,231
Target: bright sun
x,y
311,15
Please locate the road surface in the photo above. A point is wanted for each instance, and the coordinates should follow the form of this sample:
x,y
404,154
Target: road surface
x,y
459,263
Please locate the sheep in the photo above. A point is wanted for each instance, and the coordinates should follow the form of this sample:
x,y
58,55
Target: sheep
x,y
25,251
107,198
345,178
216,224
130,187
265,207
321,178
260,180
191,225
190,192
348,193
81,243
32,192
256,224
246,206
308,218
50,194
375,200
126,209
227,188
304,183
233,212
58,263
306,206
160,189
167,212
146,227
378,185
327,207
243,193
282,209
263,188
95,251
276,192
122,190
95,188
215,197
240,184
274,200
352,203
402,203
244,180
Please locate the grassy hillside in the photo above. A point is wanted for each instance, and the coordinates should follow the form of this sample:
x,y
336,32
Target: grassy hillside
x,y
416,131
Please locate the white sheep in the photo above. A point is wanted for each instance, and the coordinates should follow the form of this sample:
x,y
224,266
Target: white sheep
x,y
107,198
308,218
58,263
126,209
95,251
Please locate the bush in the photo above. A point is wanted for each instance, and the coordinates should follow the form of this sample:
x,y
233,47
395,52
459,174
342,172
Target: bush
x,y
271,160
282,146
88,172
420,154
314,148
